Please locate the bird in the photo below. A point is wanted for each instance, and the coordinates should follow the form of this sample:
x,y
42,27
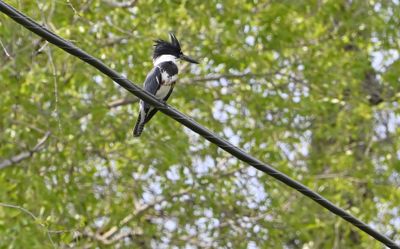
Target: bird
x,y
160,81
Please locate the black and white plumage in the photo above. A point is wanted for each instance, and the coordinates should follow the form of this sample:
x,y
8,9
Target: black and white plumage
x,y
160,81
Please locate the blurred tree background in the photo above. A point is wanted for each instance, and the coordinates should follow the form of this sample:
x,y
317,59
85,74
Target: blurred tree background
x,y
310,87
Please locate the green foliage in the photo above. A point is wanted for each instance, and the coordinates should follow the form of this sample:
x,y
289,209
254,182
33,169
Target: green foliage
x,y
309,87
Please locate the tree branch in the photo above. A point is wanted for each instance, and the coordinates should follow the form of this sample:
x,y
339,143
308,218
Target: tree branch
x,y
126,4
25,154
211,77
122,102
112,235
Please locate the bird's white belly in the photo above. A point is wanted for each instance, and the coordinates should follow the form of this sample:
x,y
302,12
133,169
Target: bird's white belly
x,y
167,84
163,91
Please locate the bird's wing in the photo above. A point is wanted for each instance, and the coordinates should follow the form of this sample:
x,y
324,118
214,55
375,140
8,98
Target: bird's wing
x,y
150,114
152,83
153,111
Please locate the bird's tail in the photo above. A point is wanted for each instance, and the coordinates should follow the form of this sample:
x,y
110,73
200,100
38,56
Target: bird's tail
x,y
137,131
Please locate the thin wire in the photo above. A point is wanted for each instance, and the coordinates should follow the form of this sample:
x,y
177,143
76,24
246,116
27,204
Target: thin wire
x,y
36,219
190,123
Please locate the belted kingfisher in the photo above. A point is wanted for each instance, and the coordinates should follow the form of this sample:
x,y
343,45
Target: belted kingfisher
x,y
161,79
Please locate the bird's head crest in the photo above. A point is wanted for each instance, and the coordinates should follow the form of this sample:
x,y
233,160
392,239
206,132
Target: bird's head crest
x,y
162,47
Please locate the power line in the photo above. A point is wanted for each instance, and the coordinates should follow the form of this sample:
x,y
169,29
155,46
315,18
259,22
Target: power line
x,y
190,123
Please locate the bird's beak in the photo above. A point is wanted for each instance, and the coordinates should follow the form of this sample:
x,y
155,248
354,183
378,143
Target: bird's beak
x,y
188,59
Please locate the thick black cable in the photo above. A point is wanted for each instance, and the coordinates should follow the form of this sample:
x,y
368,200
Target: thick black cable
x,y
190,123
